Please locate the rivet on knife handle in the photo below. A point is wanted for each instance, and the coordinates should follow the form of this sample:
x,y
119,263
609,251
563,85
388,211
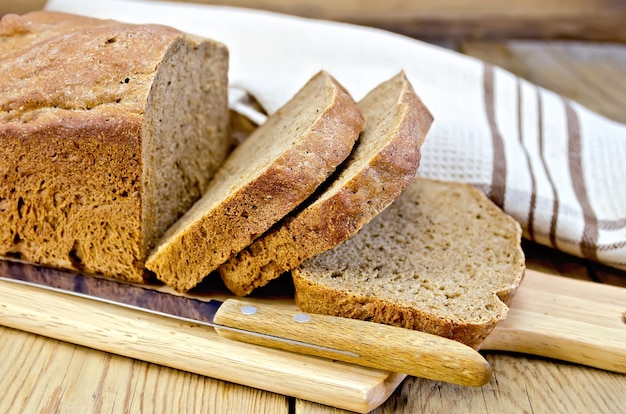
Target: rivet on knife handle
x,y
364,343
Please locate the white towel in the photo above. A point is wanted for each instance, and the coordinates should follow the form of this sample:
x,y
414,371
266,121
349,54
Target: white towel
x,y
556,167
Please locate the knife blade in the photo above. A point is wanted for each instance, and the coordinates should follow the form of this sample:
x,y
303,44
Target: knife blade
x,y
354,341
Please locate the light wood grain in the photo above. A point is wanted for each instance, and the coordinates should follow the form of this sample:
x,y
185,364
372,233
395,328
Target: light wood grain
x,y
191,348
42,375
354,341
566,319
520,385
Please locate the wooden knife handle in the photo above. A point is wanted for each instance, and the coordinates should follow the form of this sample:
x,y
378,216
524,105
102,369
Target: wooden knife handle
x,y
354,341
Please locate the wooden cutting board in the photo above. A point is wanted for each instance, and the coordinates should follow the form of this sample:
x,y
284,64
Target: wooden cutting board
x,y
551,316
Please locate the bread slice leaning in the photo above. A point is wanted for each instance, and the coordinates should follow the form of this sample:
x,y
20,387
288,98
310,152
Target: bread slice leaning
x,y
383,162
267,176
441,259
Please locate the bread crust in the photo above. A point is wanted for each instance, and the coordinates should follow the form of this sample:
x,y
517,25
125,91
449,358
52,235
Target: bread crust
x,y
315,298
320,290
328,221
74,97
57,62
193,250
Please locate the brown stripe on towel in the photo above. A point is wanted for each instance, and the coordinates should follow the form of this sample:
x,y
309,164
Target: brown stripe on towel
x,y
498,177
589,240
612,246
530,227
612,224
555,197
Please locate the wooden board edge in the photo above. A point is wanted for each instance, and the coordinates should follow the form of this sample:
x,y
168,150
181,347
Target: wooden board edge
x,y
192,348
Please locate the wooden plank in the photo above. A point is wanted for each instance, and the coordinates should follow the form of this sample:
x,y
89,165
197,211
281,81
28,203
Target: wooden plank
x,y
603,28
406,9
191,348
39,374
450,19
20,6
520,384
461,19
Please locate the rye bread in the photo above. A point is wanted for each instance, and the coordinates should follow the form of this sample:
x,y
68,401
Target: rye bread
x,y
382,164
274,170
109,132
442,259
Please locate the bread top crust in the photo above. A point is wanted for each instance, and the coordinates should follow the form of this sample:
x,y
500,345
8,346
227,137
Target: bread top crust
x,y
70,63
381,165
442,259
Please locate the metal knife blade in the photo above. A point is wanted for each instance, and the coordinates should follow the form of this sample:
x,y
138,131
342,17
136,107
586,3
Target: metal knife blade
x,y
111,291
354,341
126,295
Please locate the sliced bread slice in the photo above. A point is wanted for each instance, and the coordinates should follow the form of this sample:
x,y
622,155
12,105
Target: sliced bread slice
x,y
441,259
382,164
267,176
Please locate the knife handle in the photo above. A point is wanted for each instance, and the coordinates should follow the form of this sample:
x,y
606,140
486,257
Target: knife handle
x,y
354,341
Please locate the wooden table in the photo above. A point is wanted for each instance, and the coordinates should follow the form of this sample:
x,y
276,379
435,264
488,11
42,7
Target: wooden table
x,y
38,374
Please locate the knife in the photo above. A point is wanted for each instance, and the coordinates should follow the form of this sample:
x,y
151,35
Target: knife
x,y
354,341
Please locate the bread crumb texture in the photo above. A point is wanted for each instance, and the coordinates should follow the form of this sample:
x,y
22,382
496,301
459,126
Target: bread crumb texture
x,y
382,163
441,259
108,133
274,170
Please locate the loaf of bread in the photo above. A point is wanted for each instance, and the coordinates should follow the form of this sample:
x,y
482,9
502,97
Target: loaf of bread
x,y
274,170
382,164
441,259
109,132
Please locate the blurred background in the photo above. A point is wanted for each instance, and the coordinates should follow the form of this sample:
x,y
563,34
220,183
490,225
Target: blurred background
x,y
600,20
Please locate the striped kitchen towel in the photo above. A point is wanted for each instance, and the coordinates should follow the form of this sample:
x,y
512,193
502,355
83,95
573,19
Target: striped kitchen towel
x,y
553,165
